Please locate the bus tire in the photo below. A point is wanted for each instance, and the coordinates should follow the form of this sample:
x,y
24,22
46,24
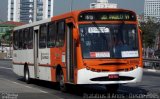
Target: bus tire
x,y
62,84
26,75
112,88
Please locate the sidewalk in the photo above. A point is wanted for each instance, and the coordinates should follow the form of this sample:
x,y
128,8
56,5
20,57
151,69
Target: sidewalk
x,y
151,70
7,59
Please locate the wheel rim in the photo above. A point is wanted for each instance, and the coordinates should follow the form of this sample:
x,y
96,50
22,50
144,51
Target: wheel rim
x,y
26,76
61,81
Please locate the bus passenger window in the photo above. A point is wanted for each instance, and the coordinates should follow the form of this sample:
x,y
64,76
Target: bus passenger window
x,y
43,36
61,34
25,36
30,38
15,40
51,37
20,39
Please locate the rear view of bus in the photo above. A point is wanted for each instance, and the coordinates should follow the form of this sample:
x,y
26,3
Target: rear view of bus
x,y
110,46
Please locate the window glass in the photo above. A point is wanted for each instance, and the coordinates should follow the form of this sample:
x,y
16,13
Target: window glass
x,y
25,40
51,35
43,36
20,39
61,33
30,39
109,41
15,40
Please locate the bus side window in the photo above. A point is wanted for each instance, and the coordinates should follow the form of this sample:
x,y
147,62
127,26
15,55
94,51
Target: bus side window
x,y
43,36
60,33
20,39
51,37
30,38
25,41
15,40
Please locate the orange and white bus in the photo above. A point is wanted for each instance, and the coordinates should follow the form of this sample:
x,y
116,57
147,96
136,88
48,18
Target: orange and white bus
x,y
94,46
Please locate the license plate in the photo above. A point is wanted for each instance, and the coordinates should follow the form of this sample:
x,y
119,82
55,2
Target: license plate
x,y
113,76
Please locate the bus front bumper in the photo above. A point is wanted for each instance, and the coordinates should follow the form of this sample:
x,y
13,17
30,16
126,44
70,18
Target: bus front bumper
x,y
89,77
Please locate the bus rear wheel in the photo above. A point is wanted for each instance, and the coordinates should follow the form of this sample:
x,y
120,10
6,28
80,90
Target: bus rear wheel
x,y
26,75
112,88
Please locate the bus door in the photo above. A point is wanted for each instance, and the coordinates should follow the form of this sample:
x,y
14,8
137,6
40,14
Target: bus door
x,y
70,50
36,43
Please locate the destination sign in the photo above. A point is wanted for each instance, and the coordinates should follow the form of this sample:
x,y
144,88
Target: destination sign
x,y
107,16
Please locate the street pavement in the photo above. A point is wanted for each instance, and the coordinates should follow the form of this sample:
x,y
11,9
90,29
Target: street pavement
x,y
14,87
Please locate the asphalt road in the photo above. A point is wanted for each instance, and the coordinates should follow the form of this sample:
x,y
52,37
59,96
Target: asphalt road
x,y
13,87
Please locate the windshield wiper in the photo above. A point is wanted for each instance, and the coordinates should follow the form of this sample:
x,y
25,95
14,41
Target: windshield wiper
x,y
95,24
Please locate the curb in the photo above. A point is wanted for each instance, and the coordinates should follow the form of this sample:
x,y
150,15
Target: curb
x,y
151,70
6,59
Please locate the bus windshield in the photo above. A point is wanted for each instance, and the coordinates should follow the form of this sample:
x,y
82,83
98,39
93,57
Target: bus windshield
x,y
109,40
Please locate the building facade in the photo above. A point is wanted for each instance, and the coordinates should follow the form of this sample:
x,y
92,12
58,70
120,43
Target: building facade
x,y
152,9
103,4
26,11
13,10
29,10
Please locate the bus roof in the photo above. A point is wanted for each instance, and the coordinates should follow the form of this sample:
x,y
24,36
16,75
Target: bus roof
x,y
33,24
74,14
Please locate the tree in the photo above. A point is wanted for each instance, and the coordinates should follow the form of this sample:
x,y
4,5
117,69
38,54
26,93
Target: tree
x,y
149,31
6,38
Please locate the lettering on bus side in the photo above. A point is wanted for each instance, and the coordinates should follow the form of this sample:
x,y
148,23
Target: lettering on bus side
x,y
44,56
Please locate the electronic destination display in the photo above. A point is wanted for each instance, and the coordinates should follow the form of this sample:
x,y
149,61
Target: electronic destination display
x,y
107,16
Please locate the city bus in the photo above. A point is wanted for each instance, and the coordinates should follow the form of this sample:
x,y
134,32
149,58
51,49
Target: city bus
x,y
81,47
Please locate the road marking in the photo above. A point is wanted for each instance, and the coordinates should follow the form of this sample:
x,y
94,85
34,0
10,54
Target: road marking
x,y
24,85
5,68
57,97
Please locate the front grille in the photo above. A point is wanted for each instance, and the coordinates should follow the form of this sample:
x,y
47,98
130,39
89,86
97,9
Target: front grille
x,y
121,78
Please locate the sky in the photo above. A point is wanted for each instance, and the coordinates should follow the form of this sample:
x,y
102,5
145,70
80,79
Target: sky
x,y
62,6
3,10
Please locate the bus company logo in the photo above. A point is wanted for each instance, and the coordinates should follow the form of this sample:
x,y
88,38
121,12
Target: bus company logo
x,y
44,56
